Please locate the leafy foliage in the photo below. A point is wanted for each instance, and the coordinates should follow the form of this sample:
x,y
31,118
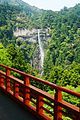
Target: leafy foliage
x,y
62,60
62,56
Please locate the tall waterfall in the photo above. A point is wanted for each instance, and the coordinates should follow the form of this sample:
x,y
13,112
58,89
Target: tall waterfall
x,y
41,50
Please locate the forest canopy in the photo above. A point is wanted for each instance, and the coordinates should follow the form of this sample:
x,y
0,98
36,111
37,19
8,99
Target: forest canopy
x,y
62,54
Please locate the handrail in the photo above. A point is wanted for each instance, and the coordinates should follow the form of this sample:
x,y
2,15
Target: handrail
x,y
35,98
52,85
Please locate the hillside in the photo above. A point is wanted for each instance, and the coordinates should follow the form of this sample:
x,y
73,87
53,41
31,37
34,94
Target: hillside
x,y
13,2
43,18
27,33
30,10
62,50
62,59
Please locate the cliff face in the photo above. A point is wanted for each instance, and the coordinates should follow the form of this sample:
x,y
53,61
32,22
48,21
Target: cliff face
x,y
24,32
31,37
31,34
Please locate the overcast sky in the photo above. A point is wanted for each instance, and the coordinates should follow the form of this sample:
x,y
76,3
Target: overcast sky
x,y
54,5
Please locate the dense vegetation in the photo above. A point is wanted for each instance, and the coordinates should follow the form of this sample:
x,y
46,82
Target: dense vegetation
x,y
62,50
14,52
62,61
62,56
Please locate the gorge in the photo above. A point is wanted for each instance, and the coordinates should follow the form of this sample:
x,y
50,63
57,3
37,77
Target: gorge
x,y
23,49
37,37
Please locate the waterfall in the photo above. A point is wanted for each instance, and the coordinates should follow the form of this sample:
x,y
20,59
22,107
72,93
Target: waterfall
x,y
41,50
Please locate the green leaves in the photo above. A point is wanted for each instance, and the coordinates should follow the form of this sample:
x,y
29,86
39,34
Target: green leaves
x,y
62,59
4,56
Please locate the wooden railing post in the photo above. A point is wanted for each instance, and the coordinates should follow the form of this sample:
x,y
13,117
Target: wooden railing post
x,y
1,81
57,108
7,80
26,90
16,89
39,105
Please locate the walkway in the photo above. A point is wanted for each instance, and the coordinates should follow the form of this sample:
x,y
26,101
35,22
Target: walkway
x,y
9,110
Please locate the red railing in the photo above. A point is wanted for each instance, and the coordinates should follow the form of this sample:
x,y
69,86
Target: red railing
x,y
44,105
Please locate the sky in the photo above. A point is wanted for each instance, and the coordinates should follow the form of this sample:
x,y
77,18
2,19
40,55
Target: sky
x,y
54,5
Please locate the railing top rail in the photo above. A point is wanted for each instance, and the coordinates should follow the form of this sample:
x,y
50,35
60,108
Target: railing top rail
x,y
54,86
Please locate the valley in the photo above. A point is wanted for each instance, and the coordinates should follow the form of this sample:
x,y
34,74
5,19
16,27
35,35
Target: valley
x,y
43,43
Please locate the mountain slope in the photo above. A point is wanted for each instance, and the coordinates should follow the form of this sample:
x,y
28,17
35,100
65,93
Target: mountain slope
x,y
21,4
62,58
38,17
14,2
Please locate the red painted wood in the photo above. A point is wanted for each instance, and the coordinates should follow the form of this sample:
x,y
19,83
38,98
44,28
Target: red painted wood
x,y
54,86
16,89
39,105
1,81
39,95
7,80
57,108
26,90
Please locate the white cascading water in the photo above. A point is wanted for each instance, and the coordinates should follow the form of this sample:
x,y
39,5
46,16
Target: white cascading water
x,y
41,50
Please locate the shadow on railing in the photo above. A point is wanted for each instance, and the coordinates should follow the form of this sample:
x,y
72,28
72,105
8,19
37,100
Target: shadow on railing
x,y
39,102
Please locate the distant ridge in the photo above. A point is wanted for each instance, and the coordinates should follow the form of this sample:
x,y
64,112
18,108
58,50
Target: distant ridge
x,y
23,5
13,2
